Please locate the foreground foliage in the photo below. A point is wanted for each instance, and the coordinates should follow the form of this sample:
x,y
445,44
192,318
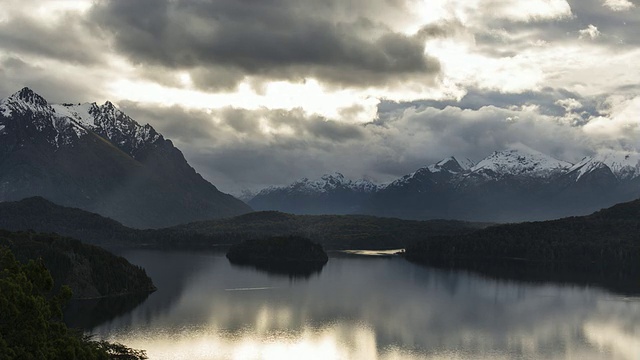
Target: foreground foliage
x,y
31,324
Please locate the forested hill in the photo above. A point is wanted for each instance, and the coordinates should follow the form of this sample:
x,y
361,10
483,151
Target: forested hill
x,y
332,231
607,238
89,271
41,215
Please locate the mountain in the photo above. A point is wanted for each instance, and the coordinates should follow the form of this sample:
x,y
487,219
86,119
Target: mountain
x,y
514,184
521,162
99,159
623,165
331,194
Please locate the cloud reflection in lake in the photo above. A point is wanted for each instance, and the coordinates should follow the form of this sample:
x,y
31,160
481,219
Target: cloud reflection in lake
x,y
367,309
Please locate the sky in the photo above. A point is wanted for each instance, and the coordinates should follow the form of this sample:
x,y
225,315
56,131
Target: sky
x,y
263,92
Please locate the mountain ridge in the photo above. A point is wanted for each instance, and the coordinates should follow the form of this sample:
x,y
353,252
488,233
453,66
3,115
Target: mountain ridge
x,y
514,184
99,159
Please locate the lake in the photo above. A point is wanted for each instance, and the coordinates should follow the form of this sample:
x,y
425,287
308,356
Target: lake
x,y
365,308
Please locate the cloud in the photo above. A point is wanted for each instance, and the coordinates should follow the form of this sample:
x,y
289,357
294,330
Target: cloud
x,y
252,148
62,85
277,39
548,101
622,122
618,5
239,148
27,33
591,31
264,92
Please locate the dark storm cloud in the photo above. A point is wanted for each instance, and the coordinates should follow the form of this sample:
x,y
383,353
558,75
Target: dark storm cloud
x,y
227,125
71,43
239,148
180,124
257,165
54,86
283,39
261,146
548,100
216,78
437,133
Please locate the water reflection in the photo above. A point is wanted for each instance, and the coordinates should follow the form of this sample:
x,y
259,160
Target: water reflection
x,y
363,309
87,314
292,271
612,278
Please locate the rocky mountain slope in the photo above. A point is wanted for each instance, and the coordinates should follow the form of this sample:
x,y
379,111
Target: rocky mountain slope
x,y
99,159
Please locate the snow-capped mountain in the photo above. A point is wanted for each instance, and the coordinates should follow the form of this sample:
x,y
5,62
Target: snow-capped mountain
x,y
110,123
66,123
623,165
99,159
521,161
29,110
331,194
441,172
513,184
326,184
452,165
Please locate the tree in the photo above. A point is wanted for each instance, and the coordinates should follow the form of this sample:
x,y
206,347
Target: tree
x,y
31,324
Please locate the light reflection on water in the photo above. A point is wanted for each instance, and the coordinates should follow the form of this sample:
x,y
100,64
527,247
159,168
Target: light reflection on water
x,y
383,308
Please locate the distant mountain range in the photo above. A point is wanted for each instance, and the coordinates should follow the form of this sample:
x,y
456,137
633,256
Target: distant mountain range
x,y
97,158
516,184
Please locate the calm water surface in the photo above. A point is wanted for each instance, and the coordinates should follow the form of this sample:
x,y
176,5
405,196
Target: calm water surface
x,y
366,308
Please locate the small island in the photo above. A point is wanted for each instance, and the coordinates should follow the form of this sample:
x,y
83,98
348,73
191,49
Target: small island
x,y
293,255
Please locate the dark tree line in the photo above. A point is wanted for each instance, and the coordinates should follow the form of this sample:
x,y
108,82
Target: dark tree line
x,y
608,238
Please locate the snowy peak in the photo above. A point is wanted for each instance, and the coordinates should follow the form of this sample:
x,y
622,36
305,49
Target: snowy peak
x,y
365,186
24,101
109,122
465,164
624,165
334,179
521,161
327,183
121,129
28,110
28,96
82,114
64,123
451,165
440,172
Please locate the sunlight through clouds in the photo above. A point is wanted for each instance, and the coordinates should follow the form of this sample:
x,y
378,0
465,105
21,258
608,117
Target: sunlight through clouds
x,y
334,61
